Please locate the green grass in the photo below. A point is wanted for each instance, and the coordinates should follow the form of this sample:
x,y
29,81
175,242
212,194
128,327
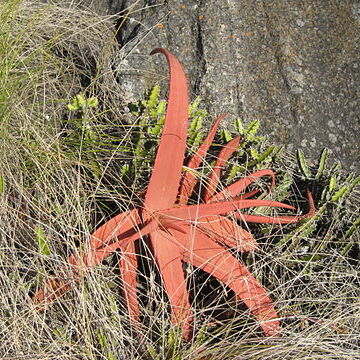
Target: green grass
x,y
65,171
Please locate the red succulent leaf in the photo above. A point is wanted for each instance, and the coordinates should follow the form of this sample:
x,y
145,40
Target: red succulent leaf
x,y
121,223
247,195
227,232
168,258
163,186
196,212
95,256
221,161
202,252
117,233
128,274
53,289
189,180
283,219
237,187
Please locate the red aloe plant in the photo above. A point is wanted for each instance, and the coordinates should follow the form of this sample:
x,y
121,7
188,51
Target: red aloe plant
x,y
196,234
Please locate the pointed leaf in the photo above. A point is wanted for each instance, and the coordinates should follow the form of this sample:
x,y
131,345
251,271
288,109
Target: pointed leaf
x,y
128,275
247,195
121,240
202,252
215,175
260,219
53,289
168,258
322,163
237,187
189,180
165,178
122,222
283,219
195,212
101,245
303,164
1,184
43,244
227,232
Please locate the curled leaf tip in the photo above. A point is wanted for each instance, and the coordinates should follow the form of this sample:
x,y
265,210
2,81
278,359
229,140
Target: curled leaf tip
x,y
157,50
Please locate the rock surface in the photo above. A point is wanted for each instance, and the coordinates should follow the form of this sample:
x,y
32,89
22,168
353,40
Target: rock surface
x,y
292,65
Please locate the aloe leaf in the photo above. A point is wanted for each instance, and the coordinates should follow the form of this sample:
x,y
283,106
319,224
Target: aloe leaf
x,y
233,172
259,158
352,229
237,187
154,97
306,228
228,232
225,135
347,248
72,107
352,184
348,234
92,102
165,178
56,287
239,126
123,222
128,274
252,129
120,240
282,219
152,352
221,160
195,212
60,332
312,257
271,149
167,255
189,179
210,257
197,115
254,154
105,344
332,184
194,126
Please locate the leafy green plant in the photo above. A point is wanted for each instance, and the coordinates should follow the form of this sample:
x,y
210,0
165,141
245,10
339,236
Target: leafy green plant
x,y
197,234
81,103
150,117
251,154
105,344
43,244
141,150
169,347
84,135
333,190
